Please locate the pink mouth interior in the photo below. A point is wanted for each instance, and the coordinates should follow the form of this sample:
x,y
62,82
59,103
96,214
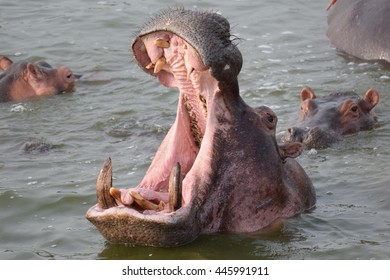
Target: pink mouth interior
x,y
187,138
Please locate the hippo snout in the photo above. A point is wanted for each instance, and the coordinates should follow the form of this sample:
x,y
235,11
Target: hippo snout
x,y
294,134
68,78
312,138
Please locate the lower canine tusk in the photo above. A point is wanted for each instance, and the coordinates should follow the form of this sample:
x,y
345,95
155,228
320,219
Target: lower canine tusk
x,y
103,186
175,188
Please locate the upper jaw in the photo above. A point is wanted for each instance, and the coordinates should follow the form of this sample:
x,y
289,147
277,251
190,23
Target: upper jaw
x,y
211,39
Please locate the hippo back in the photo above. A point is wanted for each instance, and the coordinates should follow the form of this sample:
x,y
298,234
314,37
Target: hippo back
x,y
361,28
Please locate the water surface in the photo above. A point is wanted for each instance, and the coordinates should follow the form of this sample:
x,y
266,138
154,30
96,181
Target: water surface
x,y
117,110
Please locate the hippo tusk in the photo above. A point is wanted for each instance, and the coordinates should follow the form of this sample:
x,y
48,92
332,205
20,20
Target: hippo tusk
x,y
161,43
175,188
103,186
146,204
160,63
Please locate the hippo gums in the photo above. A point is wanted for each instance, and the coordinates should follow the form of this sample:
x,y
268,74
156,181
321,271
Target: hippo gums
x,y
360,28
219,168
22,80
324,120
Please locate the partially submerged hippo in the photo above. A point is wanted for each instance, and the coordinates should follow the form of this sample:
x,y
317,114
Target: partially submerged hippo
x,y
360,28
22,80
219,169
324,120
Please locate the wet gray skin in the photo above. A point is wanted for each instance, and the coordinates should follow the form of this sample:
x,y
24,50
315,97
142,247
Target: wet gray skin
x,y
219,168
360,28
325,120
24,80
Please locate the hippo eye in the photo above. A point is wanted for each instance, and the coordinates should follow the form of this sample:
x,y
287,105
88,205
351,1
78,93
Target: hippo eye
x,y
270,121
270,118
354,108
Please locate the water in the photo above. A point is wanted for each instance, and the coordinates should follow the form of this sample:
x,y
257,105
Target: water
x,y
116,110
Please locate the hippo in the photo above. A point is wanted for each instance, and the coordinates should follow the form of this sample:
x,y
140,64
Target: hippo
x,y
219,168
23,80
324,120
37,147
360,28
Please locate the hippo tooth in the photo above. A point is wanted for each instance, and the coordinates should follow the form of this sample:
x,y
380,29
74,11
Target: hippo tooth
x,y
149,66
143,203
161,206
160,64
161,43
175,188
104,185
115,193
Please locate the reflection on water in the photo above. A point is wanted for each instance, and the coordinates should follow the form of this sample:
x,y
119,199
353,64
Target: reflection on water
x,y
118,111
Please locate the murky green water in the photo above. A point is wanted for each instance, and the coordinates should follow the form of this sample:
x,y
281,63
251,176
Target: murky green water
x,y
118,111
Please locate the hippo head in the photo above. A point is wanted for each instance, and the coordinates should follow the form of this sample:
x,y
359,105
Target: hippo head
x,y
22,80
45,80
323,121
219,168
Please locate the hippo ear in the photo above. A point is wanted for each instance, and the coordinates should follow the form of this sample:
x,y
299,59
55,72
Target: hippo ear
x,y
291,150
371,97
34,71
307,93
5,63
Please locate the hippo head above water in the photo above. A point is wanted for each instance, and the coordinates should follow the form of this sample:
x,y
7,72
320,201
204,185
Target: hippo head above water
x,y
219,168
23,80
323,121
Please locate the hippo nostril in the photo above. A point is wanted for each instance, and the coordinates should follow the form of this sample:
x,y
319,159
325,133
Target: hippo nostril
x,y
290,130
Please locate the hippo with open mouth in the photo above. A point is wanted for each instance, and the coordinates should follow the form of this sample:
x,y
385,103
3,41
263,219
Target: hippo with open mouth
x,y
360,28
219,168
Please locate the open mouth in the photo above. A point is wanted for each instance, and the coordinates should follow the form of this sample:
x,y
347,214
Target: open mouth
x,y
162,209
165,187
